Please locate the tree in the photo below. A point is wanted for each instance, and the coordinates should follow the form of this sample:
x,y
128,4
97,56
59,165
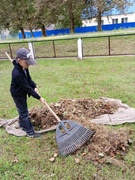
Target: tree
x,y
16,11
45,14
30,16
17,15
27,14
69,13
4,16
98,8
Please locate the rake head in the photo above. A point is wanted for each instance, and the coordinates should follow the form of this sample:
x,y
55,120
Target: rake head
x,y
71,139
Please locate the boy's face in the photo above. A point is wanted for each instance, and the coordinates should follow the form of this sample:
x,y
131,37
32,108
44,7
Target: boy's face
x,y
23,63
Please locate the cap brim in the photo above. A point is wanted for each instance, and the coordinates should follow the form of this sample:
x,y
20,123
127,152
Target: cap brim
x,y
31,61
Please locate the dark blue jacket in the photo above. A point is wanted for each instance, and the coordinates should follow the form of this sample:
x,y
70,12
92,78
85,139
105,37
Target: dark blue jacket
x,y
21,83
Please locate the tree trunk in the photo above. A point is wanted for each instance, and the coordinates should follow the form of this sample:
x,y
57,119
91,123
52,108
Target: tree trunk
x,y
23,33
71,15
32,34
99,20
43,30
72,25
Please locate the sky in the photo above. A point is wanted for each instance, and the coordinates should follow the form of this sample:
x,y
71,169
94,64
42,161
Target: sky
x,y
130,9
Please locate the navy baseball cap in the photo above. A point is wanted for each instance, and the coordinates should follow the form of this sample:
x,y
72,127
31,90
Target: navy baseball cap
x,y
24,54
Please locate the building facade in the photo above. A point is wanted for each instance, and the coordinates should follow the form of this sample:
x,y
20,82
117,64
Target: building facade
x,y
113,19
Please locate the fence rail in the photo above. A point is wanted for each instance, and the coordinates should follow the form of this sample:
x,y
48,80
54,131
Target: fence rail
x,y
59,48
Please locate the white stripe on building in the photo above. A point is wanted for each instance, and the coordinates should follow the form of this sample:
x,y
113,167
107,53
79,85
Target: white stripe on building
x,y
113,19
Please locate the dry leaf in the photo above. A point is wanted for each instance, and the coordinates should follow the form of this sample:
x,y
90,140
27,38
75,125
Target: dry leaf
x,y
52,159
77,160
130,141
112,154
101,154
16,160
123,148
117,152
55,155
57,105
83,154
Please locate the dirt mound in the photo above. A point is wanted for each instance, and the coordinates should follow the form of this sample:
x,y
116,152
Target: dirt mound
x,y
106,141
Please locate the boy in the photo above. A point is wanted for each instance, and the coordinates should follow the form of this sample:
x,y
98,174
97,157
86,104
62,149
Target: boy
x,y
21,86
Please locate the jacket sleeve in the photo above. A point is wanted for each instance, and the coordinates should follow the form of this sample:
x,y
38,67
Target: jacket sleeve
x,y
14,62
31,82
22,82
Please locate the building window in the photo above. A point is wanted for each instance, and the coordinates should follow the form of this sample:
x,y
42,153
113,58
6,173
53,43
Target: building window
x,y
114,21
124,20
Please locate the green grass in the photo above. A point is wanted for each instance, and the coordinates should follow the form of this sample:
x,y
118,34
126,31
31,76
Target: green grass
x,y
25,158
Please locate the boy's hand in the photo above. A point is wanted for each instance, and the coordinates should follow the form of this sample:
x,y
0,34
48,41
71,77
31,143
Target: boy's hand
x,y
42,100
36,90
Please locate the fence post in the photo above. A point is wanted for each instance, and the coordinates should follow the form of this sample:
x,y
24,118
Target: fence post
x,y
54,49
80,49
11,55
31,49
109,45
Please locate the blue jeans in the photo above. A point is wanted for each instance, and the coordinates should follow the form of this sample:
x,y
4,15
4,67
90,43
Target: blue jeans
x,y
24,120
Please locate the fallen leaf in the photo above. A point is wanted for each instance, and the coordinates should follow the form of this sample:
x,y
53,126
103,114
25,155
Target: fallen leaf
x,y
83,154
52,159
55,155
101,154
77,160
117,152
15,160
130,142
112,154
57,105
123,148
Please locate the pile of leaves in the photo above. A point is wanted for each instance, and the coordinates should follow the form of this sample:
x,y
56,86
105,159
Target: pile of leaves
x,y
106,142
80,110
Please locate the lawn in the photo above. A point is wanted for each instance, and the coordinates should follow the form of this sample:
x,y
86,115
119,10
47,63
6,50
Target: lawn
x,y
25,158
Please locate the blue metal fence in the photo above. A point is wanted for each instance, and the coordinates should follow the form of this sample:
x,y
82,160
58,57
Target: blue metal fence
x,y
57,32
118,26
80,30
108,27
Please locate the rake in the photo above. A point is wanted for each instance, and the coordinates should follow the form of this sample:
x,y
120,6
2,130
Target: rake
x,y
70,136
9,57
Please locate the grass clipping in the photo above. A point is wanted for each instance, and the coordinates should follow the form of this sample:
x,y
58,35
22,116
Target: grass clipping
x,y
106,141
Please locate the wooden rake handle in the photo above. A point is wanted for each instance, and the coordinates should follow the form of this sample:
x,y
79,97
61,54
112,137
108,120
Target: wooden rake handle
x,y
53,113
9,57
